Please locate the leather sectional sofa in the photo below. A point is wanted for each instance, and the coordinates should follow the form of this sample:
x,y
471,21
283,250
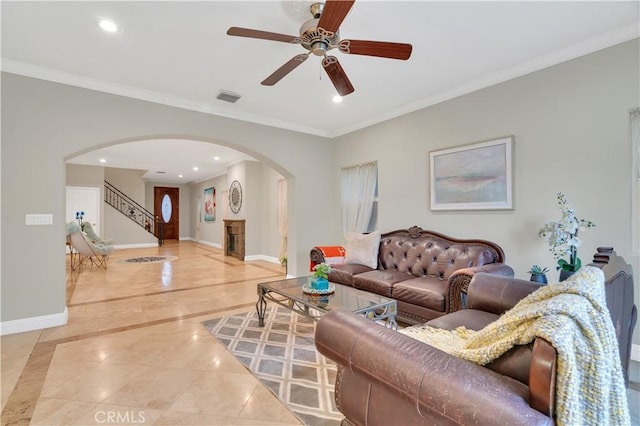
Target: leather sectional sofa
x,y
385,377
428,273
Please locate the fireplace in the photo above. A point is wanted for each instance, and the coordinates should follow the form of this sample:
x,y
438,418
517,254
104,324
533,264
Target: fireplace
x,y
234,238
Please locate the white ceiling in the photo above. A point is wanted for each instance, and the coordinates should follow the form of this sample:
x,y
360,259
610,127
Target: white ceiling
x,y
165,160
178,53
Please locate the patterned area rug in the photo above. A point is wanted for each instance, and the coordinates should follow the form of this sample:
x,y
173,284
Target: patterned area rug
x,y
148,259
282,355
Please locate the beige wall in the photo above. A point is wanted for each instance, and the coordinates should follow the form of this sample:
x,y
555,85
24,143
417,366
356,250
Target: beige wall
x,y
53,122
207,232
570,124
259,209
268,214
117,227
79,175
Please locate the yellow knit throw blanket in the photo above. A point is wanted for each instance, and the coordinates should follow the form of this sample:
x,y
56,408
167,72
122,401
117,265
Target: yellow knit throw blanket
x,y
573,317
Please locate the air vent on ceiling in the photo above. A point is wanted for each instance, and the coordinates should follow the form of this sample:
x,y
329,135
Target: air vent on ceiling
x,y
225,95
161,173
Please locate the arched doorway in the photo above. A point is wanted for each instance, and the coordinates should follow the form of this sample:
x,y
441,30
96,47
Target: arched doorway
x,y
148,173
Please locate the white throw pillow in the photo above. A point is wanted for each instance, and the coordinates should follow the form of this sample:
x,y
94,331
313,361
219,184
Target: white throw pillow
x,y
363,249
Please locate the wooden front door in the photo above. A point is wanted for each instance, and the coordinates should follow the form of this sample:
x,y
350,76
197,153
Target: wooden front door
x,y
166,203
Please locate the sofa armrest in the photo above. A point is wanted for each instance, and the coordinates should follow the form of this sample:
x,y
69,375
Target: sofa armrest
x,y
460,279
431,382
542,377
497,294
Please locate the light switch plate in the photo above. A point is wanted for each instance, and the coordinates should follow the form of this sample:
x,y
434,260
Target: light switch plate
x,y
38,219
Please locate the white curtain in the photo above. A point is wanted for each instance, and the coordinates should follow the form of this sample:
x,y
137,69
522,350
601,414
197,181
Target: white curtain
x,y
282,217
358,188
634,134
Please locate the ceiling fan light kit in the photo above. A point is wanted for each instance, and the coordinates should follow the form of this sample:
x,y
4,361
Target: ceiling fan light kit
x,y
319,35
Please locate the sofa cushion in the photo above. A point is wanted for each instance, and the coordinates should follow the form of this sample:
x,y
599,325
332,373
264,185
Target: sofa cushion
x,y
362,249
472,319
424,291
514,363
344,273
379,281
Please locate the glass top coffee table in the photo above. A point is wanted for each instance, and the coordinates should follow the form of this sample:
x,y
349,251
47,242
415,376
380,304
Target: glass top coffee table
x,y
289,293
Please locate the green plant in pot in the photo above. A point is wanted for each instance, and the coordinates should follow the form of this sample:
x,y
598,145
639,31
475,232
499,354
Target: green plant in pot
x,y
320,280
538,274
563,240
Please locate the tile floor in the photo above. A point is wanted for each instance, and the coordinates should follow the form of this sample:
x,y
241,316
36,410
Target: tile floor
x,y
134,351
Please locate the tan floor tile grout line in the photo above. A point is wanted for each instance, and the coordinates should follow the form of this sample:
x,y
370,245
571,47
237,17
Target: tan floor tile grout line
x,y
146,324
156,293
228,263
22,402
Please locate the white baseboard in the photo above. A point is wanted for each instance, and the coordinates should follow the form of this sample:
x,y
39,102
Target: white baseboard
x,y
130,246
34,323
635,353
249,258
207,243
263,257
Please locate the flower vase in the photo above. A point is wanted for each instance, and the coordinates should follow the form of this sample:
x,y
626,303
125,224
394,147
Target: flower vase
x,y
319,283
565,274
539,278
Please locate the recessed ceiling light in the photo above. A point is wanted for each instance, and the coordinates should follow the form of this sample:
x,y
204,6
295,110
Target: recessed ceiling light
x,y
337,99
108,25
216,158
195,169
102,160
180,176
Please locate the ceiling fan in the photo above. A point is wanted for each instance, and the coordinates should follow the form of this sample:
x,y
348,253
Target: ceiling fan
x,y
319,35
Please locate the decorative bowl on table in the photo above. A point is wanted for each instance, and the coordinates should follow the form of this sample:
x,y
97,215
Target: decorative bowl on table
x,y
308,290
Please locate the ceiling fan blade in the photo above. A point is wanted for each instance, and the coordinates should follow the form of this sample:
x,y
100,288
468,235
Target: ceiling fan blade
x,y
264,35
284,70
337,75
333,14
382,49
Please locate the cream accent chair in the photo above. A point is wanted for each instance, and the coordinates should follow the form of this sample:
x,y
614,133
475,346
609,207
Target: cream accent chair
x,y
93,237
85,249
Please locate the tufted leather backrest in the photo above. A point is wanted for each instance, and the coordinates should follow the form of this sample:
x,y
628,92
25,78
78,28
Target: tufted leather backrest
x,y
419,253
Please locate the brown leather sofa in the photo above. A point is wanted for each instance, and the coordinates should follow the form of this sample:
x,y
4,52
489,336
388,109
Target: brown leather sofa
x,y
387,378
428,273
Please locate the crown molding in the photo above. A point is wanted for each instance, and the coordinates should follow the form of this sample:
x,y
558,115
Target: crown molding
x,y
63,77
582,48
576,50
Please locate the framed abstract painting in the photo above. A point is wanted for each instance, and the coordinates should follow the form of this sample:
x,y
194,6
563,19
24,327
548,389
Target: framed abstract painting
x,y
472,177
209,204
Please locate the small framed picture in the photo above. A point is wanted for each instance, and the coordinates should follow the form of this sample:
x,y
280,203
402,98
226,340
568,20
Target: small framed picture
x,y
209,204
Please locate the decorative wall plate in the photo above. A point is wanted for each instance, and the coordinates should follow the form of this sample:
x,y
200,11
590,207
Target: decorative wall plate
x,y
235,196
